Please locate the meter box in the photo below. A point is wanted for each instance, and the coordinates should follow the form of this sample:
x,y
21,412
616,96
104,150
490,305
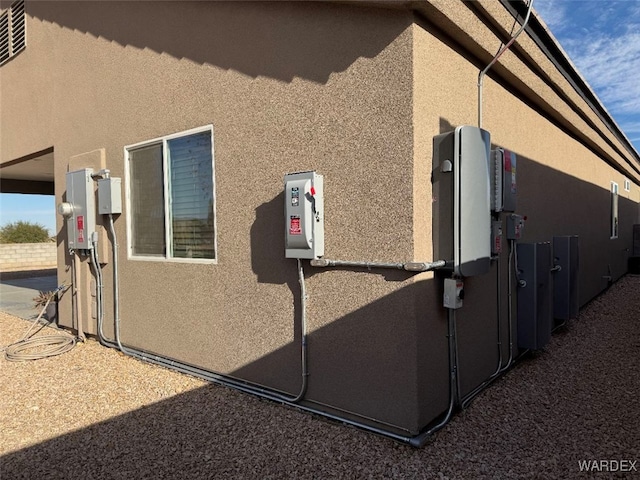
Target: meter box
x,y
503,180
304,215
515,226
109,196
79,209
461,208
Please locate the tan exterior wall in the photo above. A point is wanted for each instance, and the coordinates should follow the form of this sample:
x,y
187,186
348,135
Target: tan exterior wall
x,y
355,93
287,87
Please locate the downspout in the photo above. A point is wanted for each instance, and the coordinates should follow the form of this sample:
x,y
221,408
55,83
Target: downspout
x,y
495,59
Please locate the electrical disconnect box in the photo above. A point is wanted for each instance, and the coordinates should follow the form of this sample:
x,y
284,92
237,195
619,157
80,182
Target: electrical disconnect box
x,y
461,190
79,209
535,310
503,181
515,226
565,279
496,237
304,215
453,293
109,196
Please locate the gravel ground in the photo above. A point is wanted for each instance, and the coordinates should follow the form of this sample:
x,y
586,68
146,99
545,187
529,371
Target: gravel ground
x,y
94,413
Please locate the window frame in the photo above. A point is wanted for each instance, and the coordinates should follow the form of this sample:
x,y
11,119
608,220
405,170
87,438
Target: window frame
x,y
614,217
163,141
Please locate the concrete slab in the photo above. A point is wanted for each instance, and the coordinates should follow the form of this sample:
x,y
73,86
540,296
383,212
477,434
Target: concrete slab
x,y
17,294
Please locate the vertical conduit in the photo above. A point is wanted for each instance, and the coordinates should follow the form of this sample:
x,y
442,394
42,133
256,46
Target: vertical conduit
x,y
495,59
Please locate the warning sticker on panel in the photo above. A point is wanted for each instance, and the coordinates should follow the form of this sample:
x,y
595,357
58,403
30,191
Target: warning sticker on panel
x,y
294,225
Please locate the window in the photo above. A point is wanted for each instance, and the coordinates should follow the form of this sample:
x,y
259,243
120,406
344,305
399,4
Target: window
x,y
614,210
171,197
12,31
627,185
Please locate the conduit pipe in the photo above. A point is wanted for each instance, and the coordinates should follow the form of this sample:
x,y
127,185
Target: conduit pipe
x,y
272,395
467,399
226,381
409,266
495,59
74,279
420,440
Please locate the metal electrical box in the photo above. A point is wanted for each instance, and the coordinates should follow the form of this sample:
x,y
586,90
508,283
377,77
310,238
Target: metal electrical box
x,y
304,215
109,196
461,209
515,226
496,237
535,310
503,180
565,279
80,209
453,293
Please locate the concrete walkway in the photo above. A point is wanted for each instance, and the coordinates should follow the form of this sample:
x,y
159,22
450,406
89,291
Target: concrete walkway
x,y
18,289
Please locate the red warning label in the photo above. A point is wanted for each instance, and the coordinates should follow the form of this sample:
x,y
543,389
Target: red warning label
x,y
294,226
80,225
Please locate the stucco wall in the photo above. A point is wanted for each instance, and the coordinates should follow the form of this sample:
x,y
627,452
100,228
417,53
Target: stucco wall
x,y
27,256
287,87
355,93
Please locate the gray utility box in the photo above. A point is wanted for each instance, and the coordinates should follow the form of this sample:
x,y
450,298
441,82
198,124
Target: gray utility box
x,y
634,259
565,280
82,221
110,196
535,314
304,215
461,208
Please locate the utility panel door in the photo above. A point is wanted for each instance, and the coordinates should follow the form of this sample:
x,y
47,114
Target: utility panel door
x,y
472,215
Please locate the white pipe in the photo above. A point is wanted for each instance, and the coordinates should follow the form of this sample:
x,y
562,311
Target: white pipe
x,y
495,59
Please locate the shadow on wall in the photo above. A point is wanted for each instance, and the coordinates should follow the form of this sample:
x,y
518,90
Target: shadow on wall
x,y
357,362
279,40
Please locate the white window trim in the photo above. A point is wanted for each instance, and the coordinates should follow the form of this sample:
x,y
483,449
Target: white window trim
x,y
163,140
613,235
627,185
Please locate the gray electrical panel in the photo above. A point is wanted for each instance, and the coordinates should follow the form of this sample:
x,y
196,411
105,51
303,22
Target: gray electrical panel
x,y
109,196
503,180
304,215
81,214
535,313
461,190
515,226
565,278
496,237
453,293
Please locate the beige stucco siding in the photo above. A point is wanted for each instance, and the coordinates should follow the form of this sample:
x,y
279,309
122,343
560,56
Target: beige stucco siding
x,y
288,87
356,93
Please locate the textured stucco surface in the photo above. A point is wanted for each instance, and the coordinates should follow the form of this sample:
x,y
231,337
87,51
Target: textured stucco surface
x,y
356,93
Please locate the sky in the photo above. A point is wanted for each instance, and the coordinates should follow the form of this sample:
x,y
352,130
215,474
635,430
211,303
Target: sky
x,y
602,38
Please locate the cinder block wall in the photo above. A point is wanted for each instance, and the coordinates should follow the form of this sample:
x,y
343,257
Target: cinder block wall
x,y
27,256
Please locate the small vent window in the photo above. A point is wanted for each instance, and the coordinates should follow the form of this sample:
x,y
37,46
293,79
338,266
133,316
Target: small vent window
x,y
13,38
